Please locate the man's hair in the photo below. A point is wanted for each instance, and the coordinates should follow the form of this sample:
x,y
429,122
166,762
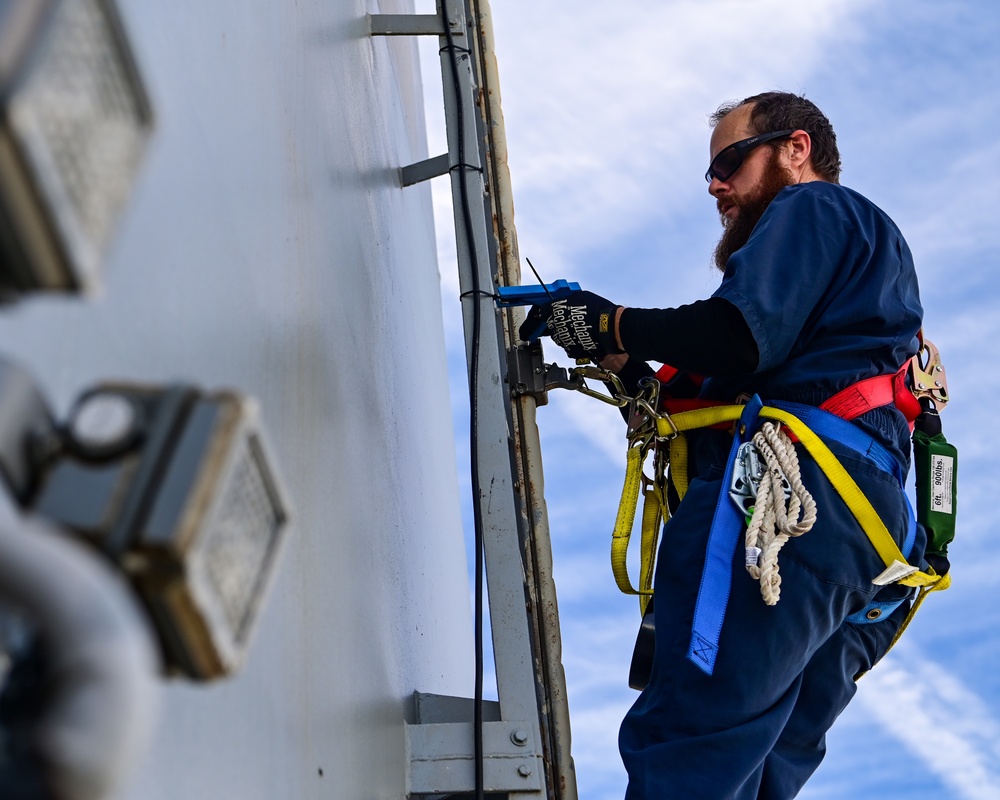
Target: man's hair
x,y
779,111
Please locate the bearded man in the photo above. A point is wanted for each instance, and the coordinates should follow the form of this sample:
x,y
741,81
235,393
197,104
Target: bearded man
x,y
818,294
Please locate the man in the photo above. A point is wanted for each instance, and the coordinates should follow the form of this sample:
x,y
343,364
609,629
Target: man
x,y
818,293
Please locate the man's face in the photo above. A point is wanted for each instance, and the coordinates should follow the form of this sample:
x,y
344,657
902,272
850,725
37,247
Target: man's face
x,y
743,198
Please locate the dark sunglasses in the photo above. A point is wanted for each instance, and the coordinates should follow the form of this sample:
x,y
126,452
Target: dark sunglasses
x,y
731,158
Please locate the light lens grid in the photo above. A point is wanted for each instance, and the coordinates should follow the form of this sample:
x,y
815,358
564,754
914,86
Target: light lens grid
x,y
240,544
82,121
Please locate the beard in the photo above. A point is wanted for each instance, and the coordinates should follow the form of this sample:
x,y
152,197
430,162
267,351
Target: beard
x,y
751,207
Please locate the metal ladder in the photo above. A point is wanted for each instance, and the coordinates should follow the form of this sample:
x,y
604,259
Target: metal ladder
x,y
525,736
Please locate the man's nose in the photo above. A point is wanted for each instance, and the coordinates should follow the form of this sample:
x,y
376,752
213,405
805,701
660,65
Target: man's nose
x,y
717,187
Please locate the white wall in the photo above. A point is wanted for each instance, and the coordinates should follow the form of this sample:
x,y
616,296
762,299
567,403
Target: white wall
x,y
268,247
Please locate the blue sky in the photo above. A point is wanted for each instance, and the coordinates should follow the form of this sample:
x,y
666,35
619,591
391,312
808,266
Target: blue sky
x,y
606,110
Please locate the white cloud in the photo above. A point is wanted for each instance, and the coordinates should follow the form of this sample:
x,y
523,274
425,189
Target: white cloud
x,y
942,721
595,749
608,104
606,107
600,423
955,211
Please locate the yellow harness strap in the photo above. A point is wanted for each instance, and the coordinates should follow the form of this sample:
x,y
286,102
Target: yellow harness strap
x,y
679,464
653,511
654,508
626,516
839,477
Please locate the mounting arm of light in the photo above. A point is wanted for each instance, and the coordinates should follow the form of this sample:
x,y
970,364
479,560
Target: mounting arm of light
x,y
80,701
175,485
74,122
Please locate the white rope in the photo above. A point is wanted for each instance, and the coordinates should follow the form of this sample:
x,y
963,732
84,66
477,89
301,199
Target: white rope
x,y
773,522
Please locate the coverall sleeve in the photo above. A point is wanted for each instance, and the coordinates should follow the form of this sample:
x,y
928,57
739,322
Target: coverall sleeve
x,y
708,337
782,275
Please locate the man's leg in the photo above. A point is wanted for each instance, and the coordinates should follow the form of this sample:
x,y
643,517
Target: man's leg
x,y
694,735
826,688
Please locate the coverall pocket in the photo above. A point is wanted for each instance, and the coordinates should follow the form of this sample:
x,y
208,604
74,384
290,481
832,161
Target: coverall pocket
x,y
875,639
837,549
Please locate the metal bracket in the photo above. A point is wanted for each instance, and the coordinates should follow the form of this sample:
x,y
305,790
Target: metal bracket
x,y
439,749
526,372
441,758
416,25
411,25
425,170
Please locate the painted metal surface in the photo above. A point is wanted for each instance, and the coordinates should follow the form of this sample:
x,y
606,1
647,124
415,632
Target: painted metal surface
x,y
269,247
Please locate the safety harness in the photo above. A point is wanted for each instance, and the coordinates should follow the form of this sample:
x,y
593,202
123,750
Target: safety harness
x,y
658,425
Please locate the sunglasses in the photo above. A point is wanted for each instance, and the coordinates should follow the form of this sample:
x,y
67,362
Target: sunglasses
x,y
731,158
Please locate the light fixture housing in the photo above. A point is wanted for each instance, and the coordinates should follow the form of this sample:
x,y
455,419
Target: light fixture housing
x,y
179,488
75,120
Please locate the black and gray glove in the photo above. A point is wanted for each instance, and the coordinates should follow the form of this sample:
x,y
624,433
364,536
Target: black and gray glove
x,y
582,324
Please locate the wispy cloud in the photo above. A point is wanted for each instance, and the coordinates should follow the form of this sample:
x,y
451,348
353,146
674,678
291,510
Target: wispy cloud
x,y
606,106
942,721
609,103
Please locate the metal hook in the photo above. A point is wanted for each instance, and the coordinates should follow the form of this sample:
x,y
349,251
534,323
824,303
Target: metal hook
x,y
928,375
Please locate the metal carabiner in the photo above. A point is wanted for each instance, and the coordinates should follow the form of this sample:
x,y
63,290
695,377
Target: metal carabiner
x,y
596,373
661,460
928,376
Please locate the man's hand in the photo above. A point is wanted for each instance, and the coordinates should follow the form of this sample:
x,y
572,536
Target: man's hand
x,y
582,324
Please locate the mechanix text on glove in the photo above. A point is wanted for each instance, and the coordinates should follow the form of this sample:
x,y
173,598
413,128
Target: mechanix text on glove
x,y
570,328
583,325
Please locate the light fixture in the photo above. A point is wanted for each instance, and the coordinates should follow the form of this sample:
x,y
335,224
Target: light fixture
x,y
177,487
74,122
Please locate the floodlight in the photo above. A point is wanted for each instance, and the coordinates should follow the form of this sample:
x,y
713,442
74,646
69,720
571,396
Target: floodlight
x,y
74,121
176,486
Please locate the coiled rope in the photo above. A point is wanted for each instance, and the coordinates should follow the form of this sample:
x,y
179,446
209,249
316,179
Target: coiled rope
x,y
775,518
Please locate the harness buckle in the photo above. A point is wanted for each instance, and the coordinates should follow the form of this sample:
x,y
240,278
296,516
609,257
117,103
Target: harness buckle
x,y
674,430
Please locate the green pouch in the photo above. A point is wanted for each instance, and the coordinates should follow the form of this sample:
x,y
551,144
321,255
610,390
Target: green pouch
x,y
936,466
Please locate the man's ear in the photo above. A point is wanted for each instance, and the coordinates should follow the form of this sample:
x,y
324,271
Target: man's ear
x,y
799,150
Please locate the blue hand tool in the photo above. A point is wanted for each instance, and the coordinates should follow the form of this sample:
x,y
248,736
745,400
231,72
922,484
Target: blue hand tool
x,y
508,296
539,296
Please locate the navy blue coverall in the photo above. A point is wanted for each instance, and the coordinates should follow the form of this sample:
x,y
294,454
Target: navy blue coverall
x,y
827,287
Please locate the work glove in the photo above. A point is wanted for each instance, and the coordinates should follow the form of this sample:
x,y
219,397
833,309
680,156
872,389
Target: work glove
x,y
582,324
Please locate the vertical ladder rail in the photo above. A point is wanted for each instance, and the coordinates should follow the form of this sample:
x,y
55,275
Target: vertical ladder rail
x,y
542,608
533,709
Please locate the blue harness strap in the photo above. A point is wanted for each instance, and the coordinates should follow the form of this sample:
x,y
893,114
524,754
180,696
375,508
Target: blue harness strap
x,y
833,428
716,575
727,523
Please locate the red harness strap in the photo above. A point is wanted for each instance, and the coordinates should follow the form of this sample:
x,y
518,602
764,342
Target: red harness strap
x,y
665,373
849,403
677,405
882,390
